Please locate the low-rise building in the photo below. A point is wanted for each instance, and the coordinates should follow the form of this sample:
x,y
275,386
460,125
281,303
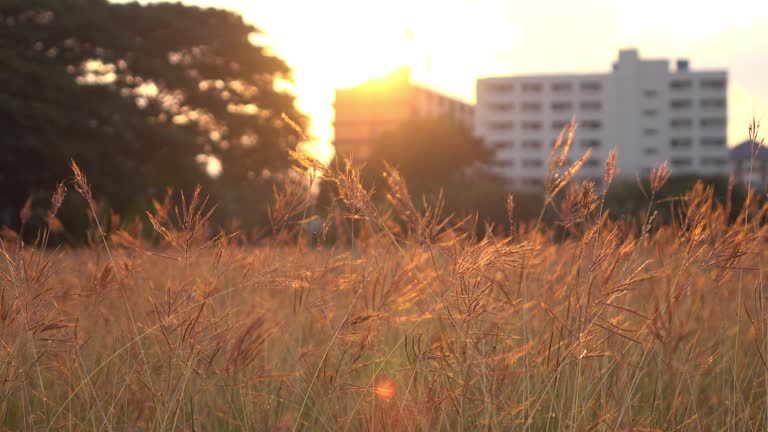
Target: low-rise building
x,y
364,112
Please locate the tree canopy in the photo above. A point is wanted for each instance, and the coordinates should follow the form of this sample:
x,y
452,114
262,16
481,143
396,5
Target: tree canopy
x,y
140,96
430,152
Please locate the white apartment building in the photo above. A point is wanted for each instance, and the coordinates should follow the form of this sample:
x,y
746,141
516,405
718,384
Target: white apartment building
x,y
646,111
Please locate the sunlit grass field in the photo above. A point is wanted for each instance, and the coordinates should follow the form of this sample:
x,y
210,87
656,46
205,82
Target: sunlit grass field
x,y
393,316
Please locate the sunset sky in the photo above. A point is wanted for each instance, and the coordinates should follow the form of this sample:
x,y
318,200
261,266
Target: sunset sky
x,y
339,43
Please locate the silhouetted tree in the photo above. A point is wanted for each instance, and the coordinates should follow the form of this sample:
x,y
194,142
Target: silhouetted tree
x,y
139,96
430,152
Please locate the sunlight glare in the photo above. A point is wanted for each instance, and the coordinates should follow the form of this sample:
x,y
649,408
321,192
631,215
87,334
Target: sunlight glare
x,y
343,43
450,43
338,50
385,390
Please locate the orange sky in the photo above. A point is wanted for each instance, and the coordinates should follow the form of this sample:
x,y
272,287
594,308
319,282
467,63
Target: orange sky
x,y
338,43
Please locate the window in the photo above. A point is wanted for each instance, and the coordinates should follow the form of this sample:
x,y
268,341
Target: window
x,y
591,124
680,104
504,144
502,87
502,106
558,125
712,103
531,106
712,122
650,93
713,161
533,163
713,84
531,125
649,113
531,144
591,105
649,151
680,142
680,84
591,86
562,106
712,142
681,162
504,163
531,88
590,143
502,125
562,87
681,123
650,132
533,181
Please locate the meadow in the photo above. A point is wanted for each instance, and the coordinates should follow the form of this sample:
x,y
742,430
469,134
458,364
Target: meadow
x,y
392,315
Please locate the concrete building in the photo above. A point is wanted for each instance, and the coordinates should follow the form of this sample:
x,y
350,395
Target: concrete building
x,y
647,111
365,111
747,158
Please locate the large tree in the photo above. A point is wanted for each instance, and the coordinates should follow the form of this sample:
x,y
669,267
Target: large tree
x,y
138,96
430,152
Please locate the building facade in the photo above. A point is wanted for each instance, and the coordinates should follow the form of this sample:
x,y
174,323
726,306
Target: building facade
x,y
364,112
648,112
749,164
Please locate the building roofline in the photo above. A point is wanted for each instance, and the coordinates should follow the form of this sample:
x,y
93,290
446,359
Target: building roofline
x,y
402,76
545,75
631,54
442,94
569,75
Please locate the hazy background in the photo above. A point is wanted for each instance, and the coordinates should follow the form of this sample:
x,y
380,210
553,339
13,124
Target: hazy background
x,y
449,43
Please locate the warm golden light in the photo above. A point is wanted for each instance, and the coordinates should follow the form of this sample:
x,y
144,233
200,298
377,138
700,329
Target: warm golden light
x,y
385,390
340,44
358,54
449,43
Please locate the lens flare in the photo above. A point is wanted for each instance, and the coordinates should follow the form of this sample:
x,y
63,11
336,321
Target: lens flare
x,y
385,390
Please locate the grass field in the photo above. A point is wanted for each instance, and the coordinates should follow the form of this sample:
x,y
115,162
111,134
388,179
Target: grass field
x,y
390,317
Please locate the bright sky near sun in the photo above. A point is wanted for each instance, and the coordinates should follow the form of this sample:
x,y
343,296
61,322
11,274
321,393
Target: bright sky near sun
x,y
450,43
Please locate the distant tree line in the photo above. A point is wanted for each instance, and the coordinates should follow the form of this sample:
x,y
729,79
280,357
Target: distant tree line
x,y
439,157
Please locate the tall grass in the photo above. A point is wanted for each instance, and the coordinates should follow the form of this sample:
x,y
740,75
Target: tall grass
x,y
392,316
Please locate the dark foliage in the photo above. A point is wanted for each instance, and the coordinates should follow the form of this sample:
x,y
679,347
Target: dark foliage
x,y
429,152
135,94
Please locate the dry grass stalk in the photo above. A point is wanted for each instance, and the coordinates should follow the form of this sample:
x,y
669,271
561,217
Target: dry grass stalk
x,y
605,324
